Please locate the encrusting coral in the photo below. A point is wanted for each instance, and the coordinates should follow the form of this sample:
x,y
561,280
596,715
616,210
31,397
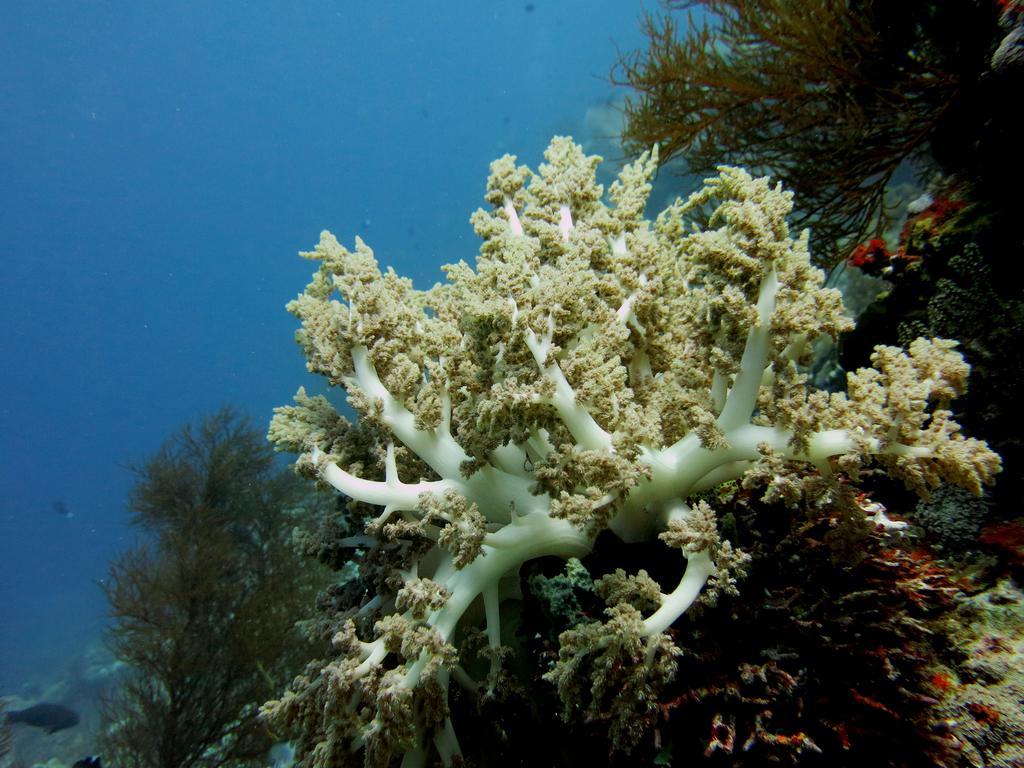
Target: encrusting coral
x,y
595,371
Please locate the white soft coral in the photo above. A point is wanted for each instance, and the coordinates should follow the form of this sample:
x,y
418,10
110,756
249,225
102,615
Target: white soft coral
x,y
593,371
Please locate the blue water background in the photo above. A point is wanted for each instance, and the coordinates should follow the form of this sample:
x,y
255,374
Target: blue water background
x,y
161,163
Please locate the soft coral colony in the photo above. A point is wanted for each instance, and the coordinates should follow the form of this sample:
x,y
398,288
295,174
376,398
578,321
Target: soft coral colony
x,y
595,371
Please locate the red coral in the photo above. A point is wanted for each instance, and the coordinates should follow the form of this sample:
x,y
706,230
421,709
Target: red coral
x,y
942,681
983,713
1008,538
920,578
871,257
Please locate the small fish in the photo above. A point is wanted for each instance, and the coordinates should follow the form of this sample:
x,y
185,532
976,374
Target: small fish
x,y
62,509
50,717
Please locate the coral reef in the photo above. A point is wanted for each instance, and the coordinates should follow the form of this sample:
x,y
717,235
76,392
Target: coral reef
x,y
983,687
589,387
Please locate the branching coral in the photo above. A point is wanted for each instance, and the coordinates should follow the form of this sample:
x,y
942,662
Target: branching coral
x,y
594,372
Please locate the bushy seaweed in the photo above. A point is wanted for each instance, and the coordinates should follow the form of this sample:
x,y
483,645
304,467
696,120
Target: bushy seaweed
x,y
830,96
203,611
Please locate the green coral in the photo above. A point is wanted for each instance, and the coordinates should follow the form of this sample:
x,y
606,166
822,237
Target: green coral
x,y
559,595
952,517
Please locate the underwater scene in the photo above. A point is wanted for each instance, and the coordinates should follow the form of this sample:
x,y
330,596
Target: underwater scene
x,y
511,384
